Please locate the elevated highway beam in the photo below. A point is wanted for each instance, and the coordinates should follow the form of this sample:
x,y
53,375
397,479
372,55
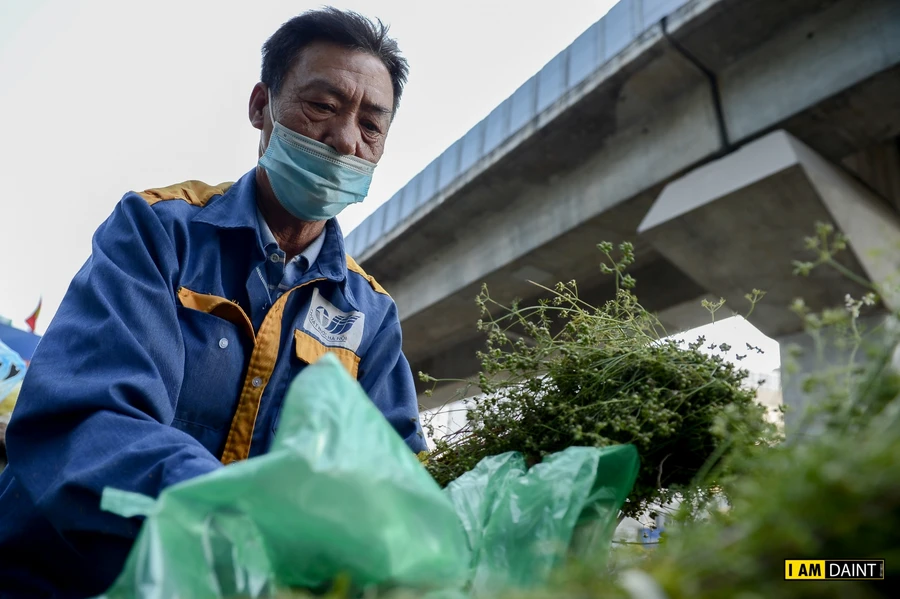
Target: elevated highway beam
x,y
696,86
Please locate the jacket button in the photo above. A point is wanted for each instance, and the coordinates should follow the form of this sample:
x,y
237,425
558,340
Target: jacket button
x,y
223,342
256,382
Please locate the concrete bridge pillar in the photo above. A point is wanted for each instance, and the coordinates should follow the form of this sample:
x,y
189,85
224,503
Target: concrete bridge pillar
x,y
739,223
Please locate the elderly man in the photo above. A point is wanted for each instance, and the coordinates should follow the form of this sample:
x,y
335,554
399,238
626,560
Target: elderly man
x,y
176,342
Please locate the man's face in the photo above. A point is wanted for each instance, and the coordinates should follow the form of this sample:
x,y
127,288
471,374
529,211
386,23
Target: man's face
x,y
334,95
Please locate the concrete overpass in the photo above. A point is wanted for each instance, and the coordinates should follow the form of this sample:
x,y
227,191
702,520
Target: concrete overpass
x,y
711,133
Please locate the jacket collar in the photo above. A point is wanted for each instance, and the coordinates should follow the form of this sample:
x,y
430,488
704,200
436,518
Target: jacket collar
x,y
236,209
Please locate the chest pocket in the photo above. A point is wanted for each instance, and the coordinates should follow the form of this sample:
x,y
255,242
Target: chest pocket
x,y
217,306
308,349
217,340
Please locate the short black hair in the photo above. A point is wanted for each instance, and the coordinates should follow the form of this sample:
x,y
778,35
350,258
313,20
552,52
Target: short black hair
x,y
345,28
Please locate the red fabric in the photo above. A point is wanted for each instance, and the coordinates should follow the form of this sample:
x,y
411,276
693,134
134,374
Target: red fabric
x,y
31,321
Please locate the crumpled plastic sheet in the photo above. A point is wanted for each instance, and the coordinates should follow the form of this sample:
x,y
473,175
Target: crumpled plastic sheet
x,y
12,371
522,523
340,496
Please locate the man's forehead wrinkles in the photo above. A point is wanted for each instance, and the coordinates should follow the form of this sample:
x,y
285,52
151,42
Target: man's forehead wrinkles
x,y
323,84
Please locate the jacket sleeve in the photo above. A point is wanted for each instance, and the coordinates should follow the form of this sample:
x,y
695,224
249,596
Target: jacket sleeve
x,y
388,380
99,396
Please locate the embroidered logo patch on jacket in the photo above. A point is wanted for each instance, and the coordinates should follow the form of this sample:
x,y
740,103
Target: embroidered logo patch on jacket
x,y
333,327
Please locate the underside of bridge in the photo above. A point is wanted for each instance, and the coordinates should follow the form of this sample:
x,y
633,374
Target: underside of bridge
x,y
713,142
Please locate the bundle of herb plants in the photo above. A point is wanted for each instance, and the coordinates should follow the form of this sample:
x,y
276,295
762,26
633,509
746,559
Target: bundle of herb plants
x,y
565,373
831,490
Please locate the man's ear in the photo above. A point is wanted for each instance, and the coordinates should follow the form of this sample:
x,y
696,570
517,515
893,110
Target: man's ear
x,y
259,101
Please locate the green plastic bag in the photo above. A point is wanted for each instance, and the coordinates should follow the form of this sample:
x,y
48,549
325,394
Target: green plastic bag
x,y
339,494
522,523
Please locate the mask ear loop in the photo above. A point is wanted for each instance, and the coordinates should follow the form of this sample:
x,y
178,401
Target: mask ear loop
x,y
271,114
271,117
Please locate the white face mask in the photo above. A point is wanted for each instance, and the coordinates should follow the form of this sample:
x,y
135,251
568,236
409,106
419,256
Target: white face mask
x,y
312,180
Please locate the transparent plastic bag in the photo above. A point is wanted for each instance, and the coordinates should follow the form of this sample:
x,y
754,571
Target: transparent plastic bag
x,y
338,495
522,523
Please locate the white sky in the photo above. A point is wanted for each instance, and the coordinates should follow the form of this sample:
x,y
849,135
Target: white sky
x,y
103,96
99,97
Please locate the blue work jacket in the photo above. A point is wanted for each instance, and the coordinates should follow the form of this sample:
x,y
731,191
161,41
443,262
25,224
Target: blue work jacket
x,y
167,358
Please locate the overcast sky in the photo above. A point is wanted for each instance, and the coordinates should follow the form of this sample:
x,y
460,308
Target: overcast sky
x,y
102,96
99,97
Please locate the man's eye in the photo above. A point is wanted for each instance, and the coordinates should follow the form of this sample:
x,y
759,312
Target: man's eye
x,y
323,107
371,127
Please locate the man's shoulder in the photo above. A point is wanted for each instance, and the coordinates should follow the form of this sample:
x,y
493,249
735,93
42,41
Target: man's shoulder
x,y
163,211
194,193
364,280
174,206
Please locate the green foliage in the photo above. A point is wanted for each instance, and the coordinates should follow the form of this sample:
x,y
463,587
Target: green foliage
x,y
565,373
830,495
835,495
